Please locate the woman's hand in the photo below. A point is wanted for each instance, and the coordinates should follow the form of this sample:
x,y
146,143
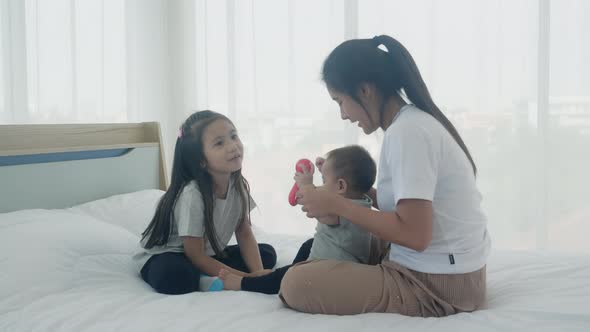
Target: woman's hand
x,y
317,202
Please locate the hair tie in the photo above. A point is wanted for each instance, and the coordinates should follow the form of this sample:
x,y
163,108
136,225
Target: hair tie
x,y
377,41
180,132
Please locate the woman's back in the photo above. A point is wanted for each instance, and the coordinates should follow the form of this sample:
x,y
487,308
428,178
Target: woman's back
x,y
421,160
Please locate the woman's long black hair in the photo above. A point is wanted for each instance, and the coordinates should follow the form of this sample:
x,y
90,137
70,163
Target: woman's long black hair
x,y
359,61
186,167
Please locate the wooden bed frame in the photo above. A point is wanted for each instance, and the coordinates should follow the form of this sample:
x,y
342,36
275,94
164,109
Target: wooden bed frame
x,y
61,165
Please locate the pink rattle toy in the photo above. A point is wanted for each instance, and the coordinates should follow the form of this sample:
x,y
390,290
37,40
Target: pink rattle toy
x,y
298,168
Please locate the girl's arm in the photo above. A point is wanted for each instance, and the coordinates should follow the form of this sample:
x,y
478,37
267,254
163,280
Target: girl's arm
x,y
194,248
249,247
410,225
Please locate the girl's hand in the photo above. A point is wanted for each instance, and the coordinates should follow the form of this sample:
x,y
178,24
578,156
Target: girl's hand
x,y
319,162
259,273
317,202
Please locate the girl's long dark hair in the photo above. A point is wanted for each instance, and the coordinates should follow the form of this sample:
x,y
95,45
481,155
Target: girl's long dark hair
x,y
186,167
359,61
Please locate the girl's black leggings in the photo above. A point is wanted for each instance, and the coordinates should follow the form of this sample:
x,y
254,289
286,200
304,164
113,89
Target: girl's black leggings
x,y
173,273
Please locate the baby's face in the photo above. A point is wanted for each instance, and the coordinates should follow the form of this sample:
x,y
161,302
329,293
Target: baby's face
x,y
330,181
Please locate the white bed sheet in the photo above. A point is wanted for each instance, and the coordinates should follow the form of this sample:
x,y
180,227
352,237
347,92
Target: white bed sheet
x,y
70,270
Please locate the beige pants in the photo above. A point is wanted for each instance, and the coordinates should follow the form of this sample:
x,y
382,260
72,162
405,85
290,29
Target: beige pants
x,y
345,288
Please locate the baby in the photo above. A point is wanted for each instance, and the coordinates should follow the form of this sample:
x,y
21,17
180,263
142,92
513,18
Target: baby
x,y
349,171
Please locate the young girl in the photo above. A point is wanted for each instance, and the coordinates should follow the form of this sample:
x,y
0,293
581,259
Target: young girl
x,y
348,172
207,201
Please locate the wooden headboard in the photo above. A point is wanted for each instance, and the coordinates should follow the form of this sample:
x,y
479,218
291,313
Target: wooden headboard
x,y
61,165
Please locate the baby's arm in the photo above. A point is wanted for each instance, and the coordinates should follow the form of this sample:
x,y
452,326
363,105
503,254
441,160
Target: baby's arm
x,y
319,162
306,179
303,179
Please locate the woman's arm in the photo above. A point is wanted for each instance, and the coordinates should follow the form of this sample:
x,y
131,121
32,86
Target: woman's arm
x,y
194,248
329,220
249,247
410,225
332,220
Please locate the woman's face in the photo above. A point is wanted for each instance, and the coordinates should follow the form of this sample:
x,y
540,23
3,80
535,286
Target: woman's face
x,y
351,110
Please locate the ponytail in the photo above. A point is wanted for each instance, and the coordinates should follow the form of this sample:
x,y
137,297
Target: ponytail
x,y
415,88
360,61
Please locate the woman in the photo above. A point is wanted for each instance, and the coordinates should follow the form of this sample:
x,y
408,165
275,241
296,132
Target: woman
x,y
429,208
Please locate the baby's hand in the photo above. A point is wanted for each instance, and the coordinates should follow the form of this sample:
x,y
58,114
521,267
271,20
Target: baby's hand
x,y
319,162
303,179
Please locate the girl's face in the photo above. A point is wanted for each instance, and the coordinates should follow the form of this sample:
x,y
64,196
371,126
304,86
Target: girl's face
x,y
222,148
354,112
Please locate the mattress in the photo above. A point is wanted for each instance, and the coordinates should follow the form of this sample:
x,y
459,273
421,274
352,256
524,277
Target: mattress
x,y
71,270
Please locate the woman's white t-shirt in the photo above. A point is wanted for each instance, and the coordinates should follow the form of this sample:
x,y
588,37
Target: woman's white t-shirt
x,y
421,160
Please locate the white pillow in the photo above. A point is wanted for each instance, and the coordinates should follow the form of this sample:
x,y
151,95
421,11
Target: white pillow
x,y
46,252
132,211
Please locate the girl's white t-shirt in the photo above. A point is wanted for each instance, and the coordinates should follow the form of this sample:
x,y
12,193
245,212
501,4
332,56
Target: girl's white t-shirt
x,y
421,160
189,220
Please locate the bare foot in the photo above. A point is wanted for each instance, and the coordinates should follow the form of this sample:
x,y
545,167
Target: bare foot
x,y
230,280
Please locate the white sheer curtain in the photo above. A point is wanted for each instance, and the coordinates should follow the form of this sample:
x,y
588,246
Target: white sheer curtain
x,y
68,61
512,75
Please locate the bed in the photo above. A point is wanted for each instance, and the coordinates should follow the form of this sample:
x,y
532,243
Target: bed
x,y
70,218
